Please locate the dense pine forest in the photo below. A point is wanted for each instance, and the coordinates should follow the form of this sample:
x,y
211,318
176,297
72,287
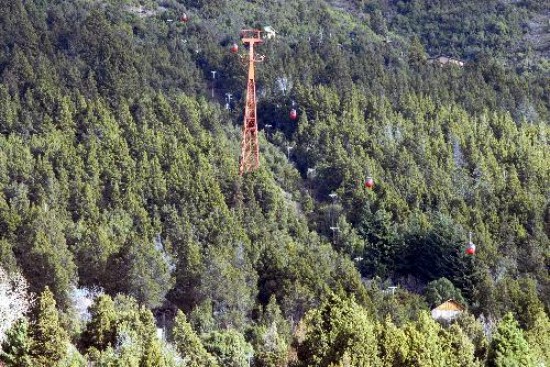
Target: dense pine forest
x,y
128,237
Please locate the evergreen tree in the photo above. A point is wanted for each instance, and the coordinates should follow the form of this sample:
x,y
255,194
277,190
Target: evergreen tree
x,y
189,345
101,329
441,290
140,270
271,349
270,338
229,348
152,353
474,330
458,348
16,348
49,340
392,344
338,330
48,261
424,343
508,345
538,337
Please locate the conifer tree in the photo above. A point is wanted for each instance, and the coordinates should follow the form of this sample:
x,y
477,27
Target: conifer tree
x,y
49,341
425,347
152,353
15,349
339,329
508,346
392,344
189,345
538,337
458,348
269,338
229,347
440,290
271,348
474,330
100,331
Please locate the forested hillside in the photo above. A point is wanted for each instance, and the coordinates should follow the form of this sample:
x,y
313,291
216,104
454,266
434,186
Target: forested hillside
x,y
123,215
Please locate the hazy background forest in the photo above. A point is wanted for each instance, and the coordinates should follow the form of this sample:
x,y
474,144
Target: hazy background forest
x,y
128,238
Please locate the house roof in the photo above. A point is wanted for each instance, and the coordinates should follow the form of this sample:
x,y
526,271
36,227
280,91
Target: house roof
x,y
450,305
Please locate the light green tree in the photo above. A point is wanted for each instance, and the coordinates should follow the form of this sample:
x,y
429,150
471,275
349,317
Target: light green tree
x,y
101,329
49,341
508,346
337,330
440,290
189,345
458,348
538,337
392,344
229,347
15,349
423,338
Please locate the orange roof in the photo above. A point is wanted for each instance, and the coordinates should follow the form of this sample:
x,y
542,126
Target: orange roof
x,y
450,305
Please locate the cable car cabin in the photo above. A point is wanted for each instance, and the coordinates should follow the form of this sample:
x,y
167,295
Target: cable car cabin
x,y
234,48
184,18
369,183
470,249
293,114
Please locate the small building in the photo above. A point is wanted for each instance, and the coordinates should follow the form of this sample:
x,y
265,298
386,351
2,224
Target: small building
x,y
269,32
445,60
448,310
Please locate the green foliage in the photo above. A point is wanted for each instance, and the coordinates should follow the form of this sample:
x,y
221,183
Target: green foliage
x,y
270,338
201,318
15,351
392,344
152,353
229,348
465,27
520,297
73,359
49,261
474,330
101,329
458,348
538,338
7,259
49,341
119,169
271,349
141,271
508,345
338,330
399,305
189,345
441,290
424,344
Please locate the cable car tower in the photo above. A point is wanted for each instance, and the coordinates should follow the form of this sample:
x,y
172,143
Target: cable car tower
x,y
250,150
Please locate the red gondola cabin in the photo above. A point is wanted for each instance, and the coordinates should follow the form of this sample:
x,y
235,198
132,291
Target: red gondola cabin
x,y
470,249
293,114
369,183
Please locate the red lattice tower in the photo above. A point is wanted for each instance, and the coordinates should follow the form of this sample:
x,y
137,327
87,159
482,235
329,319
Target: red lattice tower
x,y
250,149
